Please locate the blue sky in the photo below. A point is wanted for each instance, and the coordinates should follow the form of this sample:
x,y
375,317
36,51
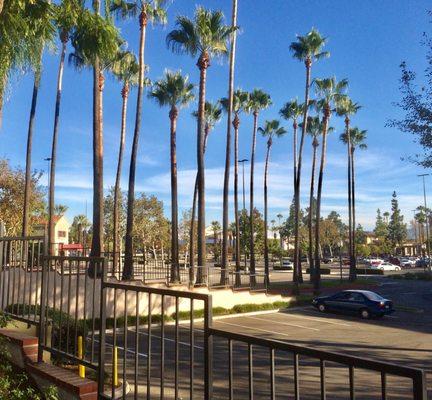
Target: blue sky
x,y
367,39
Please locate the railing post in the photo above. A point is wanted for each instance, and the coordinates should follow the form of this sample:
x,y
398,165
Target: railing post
x,y
419,386
43,299
208,349
102,326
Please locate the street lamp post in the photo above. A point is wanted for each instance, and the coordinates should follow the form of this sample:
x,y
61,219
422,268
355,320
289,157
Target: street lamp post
x,y
427,218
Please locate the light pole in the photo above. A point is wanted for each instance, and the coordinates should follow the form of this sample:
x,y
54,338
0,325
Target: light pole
x,y
427,217
242,162
415,232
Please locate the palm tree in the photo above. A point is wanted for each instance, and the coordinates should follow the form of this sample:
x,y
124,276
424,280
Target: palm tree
x,y
307,49
216,227
330,92
240,103
126,70
258,101
225,211
347,108
148,11
175,91
66,18
356,139
207,36
271,129
213,114
39,16
96,42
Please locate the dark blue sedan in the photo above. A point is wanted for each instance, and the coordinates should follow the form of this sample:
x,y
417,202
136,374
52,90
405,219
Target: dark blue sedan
x,y
363,303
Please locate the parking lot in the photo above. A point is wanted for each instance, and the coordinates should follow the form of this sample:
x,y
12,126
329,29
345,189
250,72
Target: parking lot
x,y
403,338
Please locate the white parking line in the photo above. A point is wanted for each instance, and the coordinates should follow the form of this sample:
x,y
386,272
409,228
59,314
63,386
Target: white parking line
x,y
284,323
122,349
167,339
265,330
313,319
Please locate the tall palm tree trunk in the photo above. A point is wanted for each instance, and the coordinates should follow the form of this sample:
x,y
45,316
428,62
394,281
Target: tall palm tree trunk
x,y
117,188
27,187
203,64
311,214
297,276
193,216
353,272
266,255
175,273
128,268
236,124
317,269
51,202
251,195
350,226
225,219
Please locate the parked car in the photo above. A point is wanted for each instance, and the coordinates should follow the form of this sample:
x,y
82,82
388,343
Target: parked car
x,y
386,266
363,303
327,260
407,262
375,261
285,264
422,263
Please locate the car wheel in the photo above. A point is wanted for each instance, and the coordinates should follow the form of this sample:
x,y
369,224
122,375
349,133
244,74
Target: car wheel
x,y
322,307
397,269
364,313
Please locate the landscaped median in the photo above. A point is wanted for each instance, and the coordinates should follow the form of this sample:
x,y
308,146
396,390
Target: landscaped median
x,y
413,276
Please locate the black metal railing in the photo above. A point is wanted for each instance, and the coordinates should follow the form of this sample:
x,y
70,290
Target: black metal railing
x,y
70,308
21,260
154,331
274,347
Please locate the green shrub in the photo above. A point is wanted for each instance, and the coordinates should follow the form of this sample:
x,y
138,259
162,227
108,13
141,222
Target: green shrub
x,y
369,271
323,271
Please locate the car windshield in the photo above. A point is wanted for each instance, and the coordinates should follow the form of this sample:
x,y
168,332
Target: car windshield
x,y
373,296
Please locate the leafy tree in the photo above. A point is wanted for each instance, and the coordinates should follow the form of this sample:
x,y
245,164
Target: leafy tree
x,y
216,227
360,236
206,36
397,230
78,230
109,211
258,232
381,227
12,183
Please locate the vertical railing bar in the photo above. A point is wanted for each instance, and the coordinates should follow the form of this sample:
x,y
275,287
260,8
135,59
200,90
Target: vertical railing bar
x,y
136,344
419,386
78,264
176,349
26,250
124,342
102,328
149,339
95,274
114,337
323,379
272,375
250,371
68,307
42,321
162,349
61,302
208,348
31,280
351,382
230,370
13,280
296,377
383,385
191,353
40,264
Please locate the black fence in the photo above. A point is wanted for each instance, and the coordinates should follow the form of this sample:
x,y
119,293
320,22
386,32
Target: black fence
x,y
21,262
145,341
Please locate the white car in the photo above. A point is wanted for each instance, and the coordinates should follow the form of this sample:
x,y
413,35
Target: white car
x,y
386,266
286,264
374,262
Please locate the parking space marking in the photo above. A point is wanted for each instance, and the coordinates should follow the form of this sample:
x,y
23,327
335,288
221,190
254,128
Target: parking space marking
x,y
325,320
265,330
167,339
122,349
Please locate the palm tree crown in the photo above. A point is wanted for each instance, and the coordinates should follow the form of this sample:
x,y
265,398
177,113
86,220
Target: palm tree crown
x,y
240,101
309,47
154,10
292,110
125,68
173,90
206,34
258,100
271,129
66,16
330,92
357,137
212,114
346,107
